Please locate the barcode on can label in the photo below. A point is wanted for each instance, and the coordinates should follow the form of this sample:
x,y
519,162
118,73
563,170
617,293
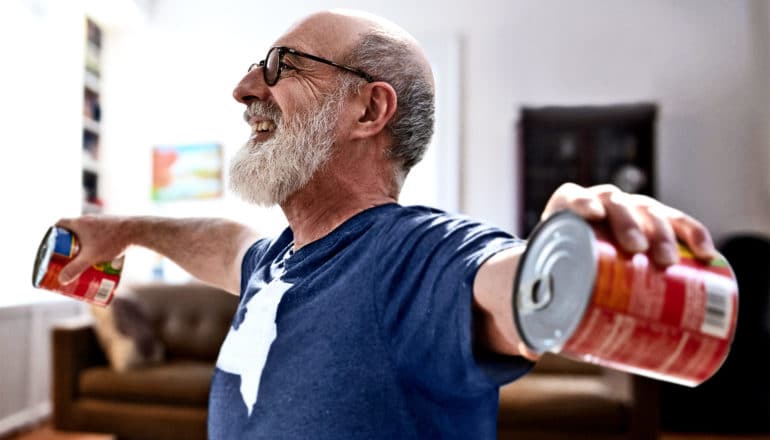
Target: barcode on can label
x,y
719,305
105,288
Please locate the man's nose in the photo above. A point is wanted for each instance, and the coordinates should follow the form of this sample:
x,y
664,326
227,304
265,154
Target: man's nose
x,y
251,87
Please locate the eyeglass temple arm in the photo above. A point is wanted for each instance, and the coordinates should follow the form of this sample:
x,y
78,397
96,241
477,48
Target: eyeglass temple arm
x,y
360,73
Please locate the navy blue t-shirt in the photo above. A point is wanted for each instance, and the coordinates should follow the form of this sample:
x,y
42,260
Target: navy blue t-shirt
x,y
365,333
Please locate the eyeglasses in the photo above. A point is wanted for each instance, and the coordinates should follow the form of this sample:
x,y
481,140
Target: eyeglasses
x,y
273,64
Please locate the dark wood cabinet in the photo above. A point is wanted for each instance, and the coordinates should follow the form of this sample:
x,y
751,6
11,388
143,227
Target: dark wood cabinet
x,y
587,145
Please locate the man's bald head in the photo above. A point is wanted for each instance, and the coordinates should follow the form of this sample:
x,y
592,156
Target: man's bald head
x,y
387,53
340,30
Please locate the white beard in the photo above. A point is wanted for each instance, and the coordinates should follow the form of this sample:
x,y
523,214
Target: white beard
x,y
267,173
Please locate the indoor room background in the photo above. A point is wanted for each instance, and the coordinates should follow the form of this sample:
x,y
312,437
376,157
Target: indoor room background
x,y
168,68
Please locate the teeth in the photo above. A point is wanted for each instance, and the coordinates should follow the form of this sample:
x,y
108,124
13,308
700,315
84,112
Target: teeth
x,y
263,126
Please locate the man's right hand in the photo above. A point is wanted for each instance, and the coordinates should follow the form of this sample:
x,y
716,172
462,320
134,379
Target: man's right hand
x,y
210,249
101,238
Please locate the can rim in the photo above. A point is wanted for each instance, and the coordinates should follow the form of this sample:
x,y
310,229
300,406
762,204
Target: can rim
x,y
43,258
538,230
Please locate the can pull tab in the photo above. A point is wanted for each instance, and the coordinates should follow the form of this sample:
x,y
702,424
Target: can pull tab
x,y
536,294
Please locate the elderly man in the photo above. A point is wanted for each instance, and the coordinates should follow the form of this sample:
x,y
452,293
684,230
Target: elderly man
x,y
363,319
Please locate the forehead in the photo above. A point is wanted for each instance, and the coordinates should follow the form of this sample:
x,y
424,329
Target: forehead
x,y
325,35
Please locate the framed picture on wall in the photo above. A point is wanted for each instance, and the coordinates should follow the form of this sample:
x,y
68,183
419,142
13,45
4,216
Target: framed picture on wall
x,y
187,172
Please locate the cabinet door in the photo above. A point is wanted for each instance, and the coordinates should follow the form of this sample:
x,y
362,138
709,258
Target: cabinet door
x,y
587,145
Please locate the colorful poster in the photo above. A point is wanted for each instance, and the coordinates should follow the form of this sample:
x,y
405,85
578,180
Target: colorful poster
x,y
185,172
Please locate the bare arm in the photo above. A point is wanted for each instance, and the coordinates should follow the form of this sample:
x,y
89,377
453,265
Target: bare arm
x,y
639,224
495,328
209,249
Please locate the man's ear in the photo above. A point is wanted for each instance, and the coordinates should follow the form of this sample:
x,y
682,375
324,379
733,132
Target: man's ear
x,y
375,106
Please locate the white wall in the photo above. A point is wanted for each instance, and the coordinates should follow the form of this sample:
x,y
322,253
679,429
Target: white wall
x,y
168,79
170,82
761,48
41,116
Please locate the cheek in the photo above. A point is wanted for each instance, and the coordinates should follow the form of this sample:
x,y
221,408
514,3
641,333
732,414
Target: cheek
x,y
343,130
299,98
350,120
287,102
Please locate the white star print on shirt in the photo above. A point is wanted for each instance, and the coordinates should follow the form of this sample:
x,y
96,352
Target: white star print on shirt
x,y
245,350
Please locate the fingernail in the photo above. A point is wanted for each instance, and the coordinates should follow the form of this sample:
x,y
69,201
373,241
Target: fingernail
x,y
636,241
63,279
666,254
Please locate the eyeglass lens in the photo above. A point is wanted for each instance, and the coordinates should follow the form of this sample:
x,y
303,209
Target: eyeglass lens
x,y
272,66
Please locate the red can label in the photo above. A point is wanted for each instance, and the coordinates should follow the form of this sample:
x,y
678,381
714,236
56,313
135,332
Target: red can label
x,y
674,324
96,285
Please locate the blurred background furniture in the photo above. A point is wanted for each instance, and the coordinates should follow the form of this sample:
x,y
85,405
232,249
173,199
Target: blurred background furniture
x,y
737,398
168,400
560,399
587,145
567,400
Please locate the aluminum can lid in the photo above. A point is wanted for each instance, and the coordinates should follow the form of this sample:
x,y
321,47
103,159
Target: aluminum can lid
x,y
554,281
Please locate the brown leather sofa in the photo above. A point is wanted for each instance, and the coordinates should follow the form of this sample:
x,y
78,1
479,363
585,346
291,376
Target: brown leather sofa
x,y
565,400
156,402
559,399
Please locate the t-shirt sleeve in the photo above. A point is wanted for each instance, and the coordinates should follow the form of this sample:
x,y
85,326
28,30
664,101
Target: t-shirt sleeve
x,y
425,298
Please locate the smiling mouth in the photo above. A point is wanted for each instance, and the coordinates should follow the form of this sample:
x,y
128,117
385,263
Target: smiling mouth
x,y
262,129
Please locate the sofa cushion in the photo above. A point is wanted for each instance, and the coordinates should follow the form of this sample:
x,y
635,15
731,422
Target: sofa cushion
x,y
126,334
569,402
175,383
191,319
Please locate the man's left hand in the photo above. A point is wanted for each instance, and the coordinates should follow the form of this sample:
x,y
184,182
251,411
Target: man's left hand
x,y
639,223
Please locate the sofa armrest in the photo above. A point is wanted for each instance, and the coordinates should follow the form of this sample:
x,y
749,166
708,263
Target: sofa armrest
x,y
73,347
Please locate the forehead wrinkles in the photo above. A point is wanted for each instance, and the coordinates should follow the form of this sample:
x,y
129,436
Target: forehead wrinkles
x,y
317,49
327,37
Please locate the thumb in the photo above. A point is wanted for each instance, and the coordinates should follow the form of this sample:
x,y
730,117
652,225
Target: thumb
x,y
72,270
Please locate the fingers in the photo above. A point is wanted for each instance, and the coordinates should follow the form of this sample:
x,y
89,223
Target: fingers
x,y
623,218
693,233
94,248
641,224
65,223
638,223
662,226
660,232
73,269
577,199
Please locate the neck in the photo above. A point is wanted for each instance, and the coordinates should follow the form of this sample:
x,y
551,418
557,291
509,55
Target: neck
x,y
331,198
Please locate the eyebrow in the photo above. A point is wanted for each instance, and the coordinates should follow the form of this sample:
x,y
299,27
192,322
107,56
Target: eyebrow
x,y
301,61
297,60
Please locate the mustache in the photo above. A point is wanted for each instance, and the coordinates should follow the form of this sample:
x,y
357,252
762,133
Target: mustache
x,y
262,109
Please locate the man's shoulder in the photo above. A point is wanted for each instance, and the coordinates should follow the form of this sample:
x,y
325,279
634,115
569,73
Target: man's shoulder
x,y
418,218
422,230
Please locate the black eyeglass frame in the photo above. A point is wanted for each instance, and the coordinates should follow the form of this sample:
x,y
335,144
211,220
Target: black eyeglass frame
x,y
282,51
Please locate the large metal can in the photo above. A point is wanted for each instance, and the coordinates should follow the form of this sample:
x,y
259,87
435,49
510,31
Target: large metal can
x,y
578,294
96,285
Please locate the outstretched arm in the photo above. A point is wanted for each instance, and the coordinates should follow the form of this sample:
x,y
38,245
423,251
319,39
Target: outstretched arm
x,y
638,224
209,249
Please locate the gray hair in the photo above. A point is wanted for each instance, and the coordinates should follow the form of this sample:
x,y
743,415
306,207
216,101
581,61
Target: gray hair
x,y
391,59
